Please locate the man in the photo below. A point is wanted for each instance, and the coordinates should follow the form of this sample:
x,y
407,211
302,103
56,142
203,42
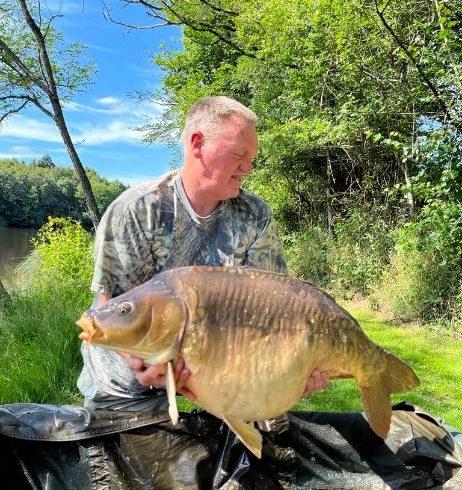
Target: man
x,y
198,215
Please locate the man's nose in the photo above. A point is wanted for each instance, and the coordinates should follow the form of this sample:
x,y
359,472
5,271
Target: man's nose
x,y
246,166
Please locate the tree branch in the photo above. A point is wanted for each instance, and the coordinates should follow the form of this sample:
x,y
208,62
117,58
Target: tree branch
x,y
19,67
416,65
107,15
219,9
13,111
28,99
195,25
52,91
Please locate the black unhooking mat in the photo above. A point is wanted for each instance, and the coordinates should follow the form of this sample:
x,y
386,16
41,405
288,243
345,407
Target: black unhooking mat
x,y
66,447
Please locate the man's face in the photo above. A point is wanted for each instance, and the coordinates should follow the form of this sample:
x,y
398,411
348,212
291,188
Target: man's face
x,y
227,157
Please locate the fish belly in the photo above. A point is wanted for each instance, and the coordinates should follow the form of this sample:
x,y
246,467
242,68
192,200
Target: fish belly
x,y
249,374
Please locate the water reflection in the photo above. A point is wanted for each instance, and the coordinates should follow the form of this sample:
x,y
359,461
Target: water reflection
x,y
14,246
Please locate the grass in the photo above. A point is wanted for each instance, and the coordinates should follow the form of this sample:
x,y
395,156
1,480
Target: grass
x,y
434,354
40,358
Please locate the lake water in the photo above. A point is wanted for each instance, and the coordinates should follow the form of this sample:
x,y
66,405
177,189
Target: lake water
x,y
14,246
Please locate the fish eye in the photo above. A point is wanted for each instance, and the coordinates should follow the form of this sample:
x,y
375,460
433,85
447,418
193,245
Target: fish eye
x,y
124,307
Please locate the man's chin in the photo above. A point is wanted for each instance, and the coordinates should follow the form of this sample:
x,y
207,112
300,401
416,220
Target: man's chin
x,y
232,193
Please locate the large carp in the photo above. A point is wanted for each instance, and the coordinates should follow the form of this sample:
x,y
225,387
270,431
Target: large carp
x,y
251,339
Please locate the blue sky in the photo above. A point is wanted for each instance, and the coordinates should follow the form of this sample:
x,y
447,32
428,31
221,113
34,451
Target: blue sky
x,y
102,120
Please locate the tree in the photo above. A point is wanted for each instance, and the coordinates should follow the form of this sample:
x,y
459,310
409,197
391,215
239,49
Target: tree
x,y
45,162
341,89
30,193
35,69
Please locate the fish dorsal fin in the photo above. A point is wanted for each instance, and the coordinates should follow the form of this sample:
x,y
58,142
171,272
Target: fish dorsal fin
x,y
171,394
248,434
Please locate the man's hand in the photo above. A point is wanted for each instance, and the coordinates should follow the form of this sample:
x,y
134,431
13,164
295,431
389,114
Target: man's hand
x,y
316,382
154,375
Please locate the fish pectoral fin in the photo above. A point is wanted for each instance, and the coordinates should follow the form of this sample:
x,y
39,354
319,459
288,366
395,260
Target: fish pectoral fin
x,y
171,394
247,433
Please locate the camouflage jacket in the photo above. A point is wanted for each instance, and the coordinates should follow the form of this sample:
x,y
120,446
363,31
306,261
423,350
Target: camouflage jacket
x,y
152,227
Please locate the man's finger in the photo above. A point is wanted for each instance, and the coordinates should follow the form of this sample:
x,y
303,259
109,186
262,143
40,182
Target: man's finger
x,y
178,368
188,394
324,380
122,353
152,376
135,363
316,382
182,378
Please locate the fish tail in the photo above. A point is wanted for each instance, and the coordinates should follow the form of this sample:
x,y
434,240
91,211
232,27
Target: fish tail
x,y
396,377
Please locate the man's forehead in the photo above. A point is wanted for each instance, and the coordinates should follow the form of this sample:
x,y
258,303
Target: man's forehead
x,y
238,122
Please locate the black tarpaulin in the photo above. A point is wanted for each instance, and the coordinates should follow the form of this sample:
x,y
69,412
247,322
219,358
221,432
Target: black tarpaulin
x,y
65,447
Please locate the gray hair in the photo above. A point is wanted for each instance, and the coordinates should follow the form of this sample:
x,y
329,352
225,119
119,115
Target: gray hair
x,y
208,114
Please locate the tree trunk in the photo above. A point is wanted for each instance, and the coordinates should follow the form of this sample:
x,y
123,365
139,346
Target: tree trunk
x,y
52,92
330,225
4,296
409,196
78,167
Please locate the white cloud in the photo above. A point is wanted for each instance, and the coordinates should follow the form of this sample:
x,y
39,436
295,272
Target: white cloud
x,y
25,127
77,107
99,47
114,106
132,179
114,131
20,152
20,149
108,100
120,125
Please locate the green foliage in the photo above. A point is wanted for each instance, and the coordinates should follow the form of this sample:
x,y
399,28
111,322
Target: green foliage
x,y
31,193
339,100
309,255
360,250
105,191
64,250
45,162
424,275
40,359
71,71
352,260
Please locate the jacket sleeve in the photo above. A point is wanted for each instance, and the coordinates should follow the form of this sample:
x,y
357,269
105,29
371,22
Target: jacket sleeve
x,y
266,252
122,253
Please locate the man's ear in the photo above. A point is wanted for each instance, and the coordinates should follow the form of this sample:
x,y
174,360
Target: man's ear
x,y
196,141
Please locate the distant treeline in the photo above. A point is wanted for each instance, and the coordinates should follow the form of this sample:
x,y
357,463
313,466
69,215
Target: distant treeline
x,y
29,193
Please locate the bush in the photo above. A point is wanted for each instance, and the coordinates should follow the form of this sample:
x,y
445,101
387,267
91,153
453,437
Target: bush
x,y
352,261
424,276
360,250
308,256
64,250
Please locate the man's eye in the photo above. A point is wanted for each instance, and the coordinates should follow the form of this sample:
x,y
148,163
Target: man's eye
x,y
124,308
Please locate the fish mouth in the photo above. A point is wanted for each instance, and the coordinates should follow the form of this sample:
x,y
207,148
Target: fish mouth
x,y
90,330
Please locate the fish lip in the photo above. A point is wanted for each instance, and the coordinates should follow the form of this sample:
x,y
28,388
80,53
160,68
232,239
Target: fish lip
x,y
90,330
